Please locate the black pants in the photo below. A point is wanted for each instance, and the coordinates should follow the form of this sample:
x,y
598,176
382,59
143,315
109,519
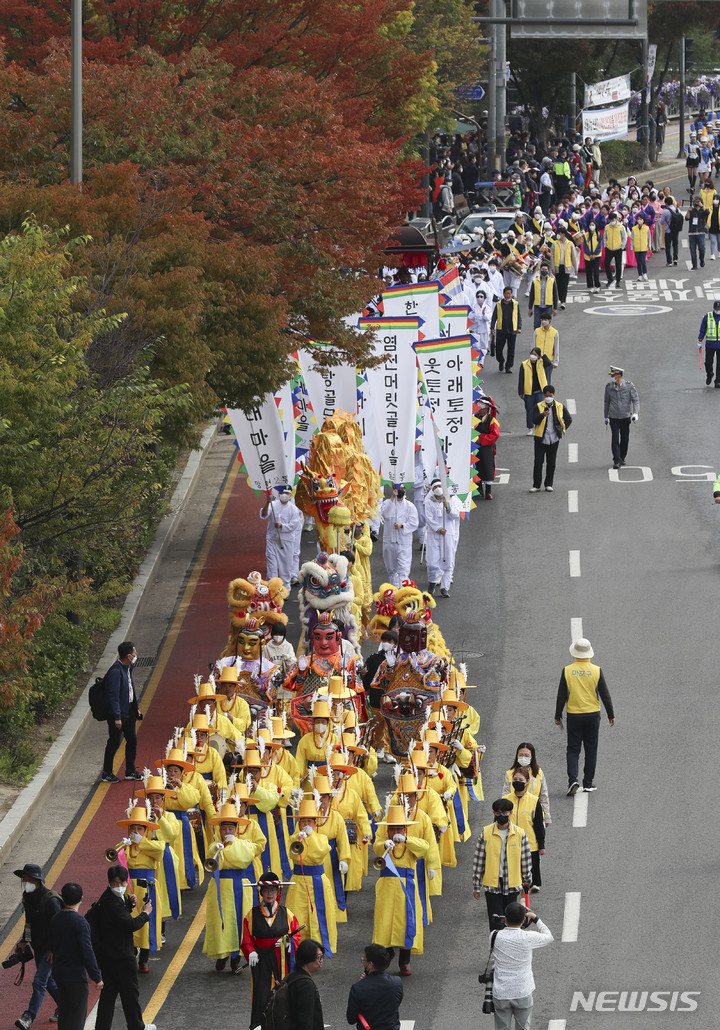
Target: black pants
x,y
501,339
616,256
671,244
545,202
592,272
712,355
562,278
536,877
120,978
115,736
262,982
497,903
620,437
582,731
72,1004
546,452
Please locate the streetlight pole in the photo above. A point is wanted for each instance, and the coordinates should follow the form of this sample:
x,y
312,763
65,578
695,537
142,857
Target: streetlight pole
x,y
76,171
491,131
681,151
501,87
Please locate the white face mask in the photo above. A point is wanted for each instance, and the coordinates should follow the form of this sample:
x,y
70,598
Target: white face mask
x,y
438,491
320,728
278,640
523,760
134,660
228,838
28,888
119,891
284,498
136,837
533,357
386,645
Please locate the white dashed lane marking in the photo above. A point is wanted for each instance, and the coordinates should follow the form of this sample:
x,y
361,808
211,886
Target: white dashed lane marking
x,y
573,500
574,564
571,918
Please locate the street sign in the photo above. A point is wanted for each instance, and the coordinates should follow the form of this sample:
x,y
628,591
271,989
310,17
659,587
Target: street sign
x,y
475,92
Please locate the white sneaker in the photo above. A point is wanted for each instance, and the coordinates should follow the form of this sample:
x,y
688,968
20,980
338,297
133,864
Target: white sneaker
x,y
150,1026
712,257
530,432
549,489
534,490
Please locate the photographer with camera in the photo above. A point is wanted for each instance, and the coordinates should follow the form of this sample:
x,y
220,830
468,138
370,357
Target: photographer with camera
x,y
113,925
513,982
40,904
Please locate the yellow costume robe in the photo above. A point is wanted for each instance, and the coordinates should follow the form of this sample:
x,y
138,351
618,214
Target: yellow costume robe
x,y
398,921
223,933
310,752
169,887
275,778
190,867
431,804
426,830
143,861
309,876
332,826
350,807
237,711
441,780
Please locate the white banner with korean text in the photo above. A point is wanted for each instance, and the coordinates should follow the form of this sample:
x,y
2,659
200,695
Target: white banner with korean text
x,y
609,123
261,441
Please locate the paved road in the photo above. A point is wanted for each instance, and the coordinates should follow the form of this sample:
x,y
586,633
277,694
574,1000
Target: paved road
x,y
639,862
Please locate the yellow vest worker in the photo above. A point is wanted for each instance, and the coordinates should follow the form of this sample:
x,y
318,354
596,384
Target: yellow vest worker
x,y
582,687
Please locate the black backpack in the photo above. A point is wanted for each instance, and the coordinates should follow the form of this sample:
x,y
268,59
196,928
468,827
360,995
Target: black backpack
x,y
97,700
92,917
676,221
276,1014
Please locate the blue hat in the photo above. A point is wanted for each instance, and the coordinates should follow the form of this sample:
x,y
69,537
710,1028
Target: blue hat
x,y
30,869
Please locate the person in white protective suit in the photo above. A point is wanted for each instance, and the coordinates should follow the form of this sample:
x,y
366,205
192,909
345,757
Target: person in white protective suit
x,y
400,520
284,526
442,528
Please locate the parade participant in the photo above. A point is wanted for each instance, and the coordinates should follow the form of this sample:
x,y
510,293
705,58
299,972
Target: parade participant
x,y
582,687
348,804
341,701
692,160
40,906
615,244
621,407
710,332
488,429
264,799
400,520
143,854
439,778
310,895
167,895
528,813
205,703
506,323
369,758
481,311
270,937
388,642
248,828
312,747
361,782
544,297
72,960
281,756
430,802
255,671
363,550
441,542
208,761
114,933
122,707
326,658
183,802
532,380
332,825
641,244
228,701
513,982
457,681
592,244
280,651
398,920
469,755
552,420
282,540
428,868
697,219
502,865
547,341
274,778
565,263
525,758
376,996
230,899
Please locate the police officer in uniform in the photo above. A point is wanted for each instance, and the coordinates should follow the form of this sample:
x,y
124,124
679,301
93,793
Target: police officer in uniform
x,y
710,332
621,407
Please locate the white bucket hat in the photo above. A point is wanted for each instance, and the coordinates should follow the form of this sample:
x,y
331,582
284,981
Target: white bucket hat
x,y
581,648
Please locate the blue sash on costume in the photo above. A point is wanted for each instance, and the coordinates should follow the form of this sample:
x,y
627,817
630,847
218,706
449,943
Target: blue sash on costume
x,y
187,839
237,876
315,872
459,814
422,889
471,791
284,860
337,875
171,881
409,889
149,875
263,824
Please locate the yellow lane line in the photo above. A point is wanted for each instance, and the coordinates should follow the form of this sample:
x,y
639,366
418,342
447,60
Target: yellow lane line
x,y
13,934
178,961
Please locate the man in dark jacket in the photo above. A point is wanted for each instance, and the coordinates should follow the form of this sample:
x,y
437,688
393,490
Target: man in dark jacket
x,y
113,928
123,713
377,996
72,960
303,996
40,906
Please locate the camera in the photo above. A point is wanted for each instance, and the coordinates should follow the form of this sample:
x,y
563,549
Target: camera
x,y
142,883
488,1005
497,922
23,954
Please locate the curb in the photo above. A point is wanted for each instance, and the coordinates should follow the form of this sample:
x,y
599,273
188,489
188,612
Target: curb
x,y
17,818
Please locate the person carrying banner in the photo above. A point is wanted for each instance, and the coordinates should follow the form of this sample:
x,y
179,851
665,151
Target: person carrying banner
x,y
400,520
441,543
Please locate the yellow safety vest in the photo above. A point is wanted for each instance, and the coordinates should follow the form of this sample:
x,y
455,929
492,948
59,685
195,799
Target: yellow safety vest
x,y
549,291
540,427
527,369
522,814
582,678
640,238
613,237
545,340
498,322
493,848
594,249
558,257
